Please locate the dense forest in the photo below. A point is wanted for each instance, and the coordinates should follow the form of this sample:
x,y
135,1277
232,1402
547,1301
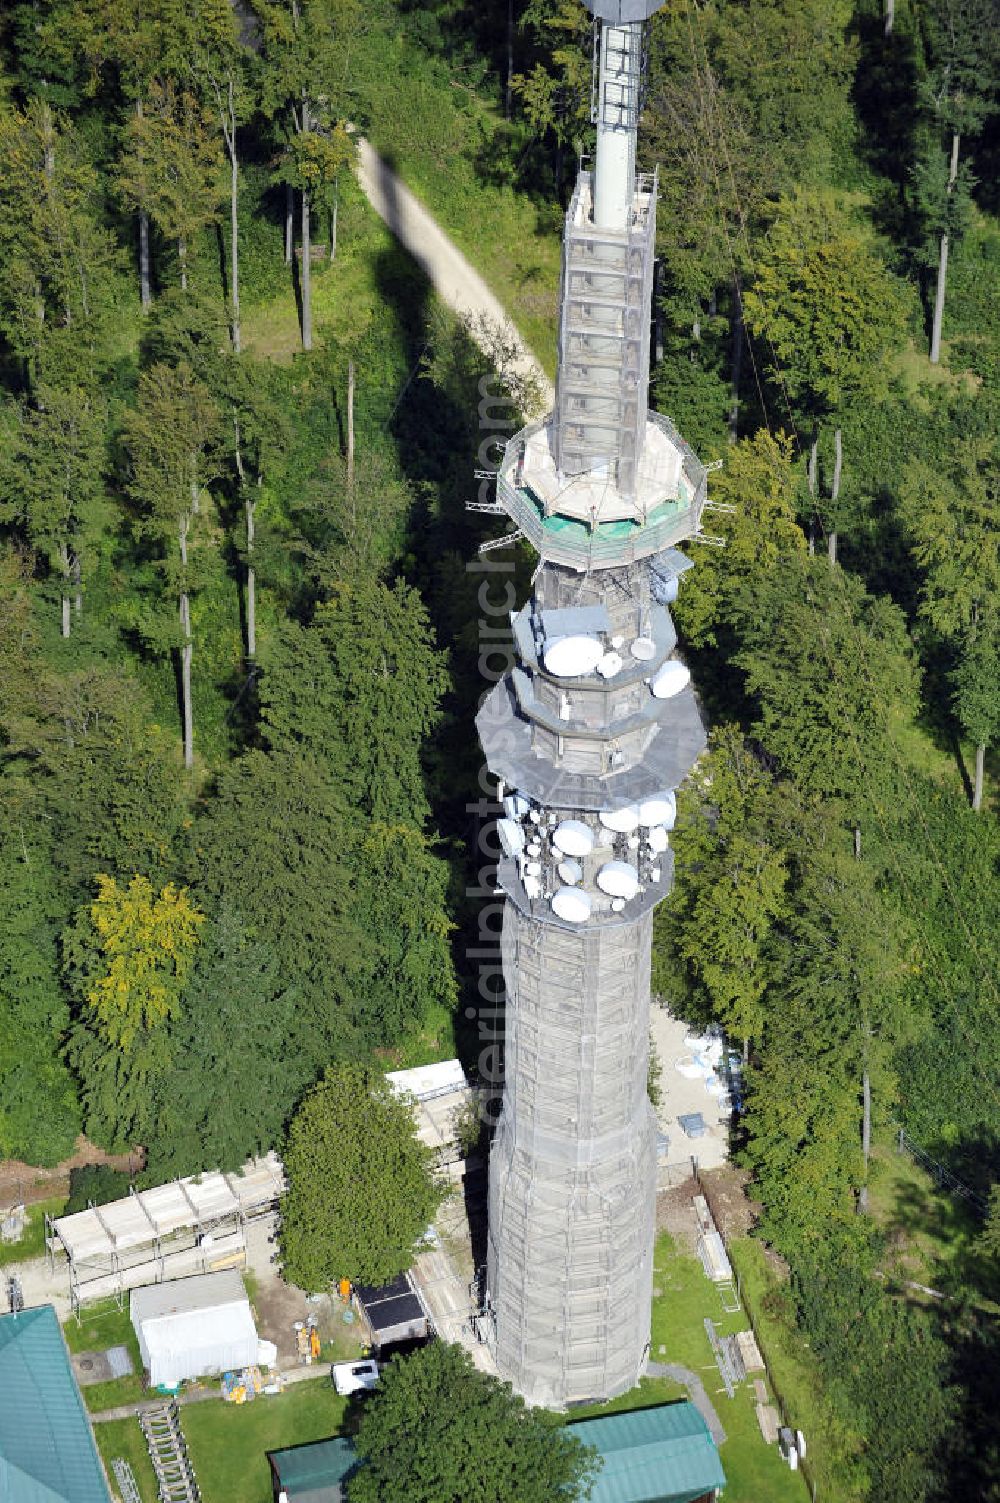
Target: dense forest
x,y
239,644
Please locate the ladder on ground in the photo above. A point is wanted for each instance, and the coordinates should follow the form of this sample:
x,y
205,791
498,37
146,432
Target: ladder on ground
x,y
125,1478
169,1454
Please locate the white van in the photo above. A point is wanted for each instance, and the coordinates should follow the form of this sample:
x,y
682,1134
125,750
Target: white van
x,y
354,1377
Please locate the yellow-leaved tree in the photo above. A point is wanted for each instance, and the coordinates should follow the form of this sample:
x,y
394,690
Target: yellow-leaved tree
x,y
145,942
127,957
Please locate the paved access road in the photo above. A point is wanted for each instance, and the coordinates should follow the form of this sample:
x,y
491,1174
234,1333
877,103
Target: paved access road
x,y
455,280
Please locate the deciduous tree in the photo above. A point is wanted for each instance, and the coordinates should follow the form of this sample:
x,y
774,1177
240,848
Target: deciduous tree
x,y
828,315
361,1188
436,1430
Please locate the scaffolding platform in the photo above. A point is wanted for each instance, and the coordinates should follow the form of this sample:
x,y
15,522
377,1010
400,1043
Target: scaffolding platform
x,y
191,1225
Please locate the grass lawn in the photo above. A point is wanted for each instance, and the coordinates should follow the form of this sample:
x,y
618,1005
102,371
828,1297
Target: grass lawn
x,y
926,1227
755,1472
32,1243
124,1438
228,1442
441,135
370,270
100,1326
793,1372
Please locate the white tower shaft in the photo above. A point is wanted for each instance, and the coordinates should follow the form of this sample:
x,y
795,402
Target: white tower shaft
x,y
617,111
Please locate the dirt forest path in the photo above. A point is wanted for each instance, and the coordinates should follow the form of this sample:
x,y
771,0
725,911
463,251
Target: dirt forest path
x,y
453,278
21,1182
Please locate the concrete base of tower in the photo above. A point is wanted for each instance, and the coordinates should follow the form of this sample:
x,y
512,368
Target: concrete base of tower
x,y
569,1269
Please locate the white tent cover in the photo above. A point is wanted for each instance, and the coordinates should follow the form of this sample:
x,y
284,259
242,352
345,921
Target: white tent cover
x,y
191,1328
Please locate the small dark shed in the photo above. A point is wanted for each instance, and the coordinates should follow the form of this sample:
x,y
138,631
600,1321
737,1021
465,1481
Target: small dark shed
x,y
393,1312
312,1474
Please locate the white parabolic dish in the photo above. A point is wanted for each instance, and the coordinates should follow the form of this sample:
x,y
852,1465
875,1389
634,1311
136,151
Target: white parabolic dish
x,y
661,810
658,839
573,838
571,904
622,820
618,879
570,872
670,679
572,657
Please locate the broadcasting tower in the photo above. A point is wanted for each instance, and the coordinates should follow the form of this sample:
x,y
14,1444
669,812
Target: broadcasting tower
x,y
589,736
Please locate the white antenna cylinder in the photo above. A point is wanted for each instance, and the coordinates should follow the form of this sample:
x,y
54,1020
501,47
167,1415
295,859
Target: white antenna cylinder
x,y
617,103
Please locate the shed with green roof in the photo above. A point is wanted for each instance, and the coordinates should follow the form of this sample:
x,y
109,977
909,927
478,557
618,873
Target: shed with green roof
x,y
660,1455
314,1473
47,1449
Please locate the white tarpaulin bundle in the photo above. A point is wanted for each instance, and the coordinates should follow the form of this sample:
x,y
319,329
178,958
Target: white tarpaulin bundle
x,y
190,1328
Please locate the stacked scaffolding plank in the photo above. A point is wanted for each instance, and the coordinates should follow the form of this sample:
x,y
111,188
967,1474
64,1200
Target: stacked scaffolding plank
x,y
168,1452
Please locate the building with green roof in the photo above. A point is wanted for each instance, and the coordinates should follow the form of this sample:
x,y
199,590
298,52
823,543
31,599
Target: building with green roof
x,y
47,1448
314,1473
660,1455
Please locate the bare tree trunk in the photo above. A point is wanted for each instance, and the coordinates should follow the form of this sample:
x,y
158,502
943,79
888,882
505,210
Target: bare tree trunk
x,y
307,332
333,219
977,792
812,470
64,560
735,362
184,607
942,276
251,580
186,654
144,292
145,295
229,129
838,465
78,592
350,428
890,16
182,258
857,842
866,1136
508,91
249,511
289,232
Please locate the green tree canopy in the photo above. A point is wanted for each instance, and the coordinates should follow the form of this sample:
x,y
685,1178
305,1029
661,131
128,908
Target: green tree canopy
x,y
366,696
361,1187
831,669
436,1430
757,479
825,308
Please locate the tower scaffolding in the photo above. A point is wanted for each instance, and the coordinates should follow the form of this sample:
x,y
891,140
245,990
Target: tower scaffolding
x,y
589,735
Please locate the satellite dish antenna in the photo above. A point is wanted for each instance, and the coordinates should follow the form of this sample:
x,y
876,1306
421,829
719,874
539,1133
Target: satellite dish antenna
x,y
661,809
623,821
573,838
670,679
619,879
571,904
572,657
